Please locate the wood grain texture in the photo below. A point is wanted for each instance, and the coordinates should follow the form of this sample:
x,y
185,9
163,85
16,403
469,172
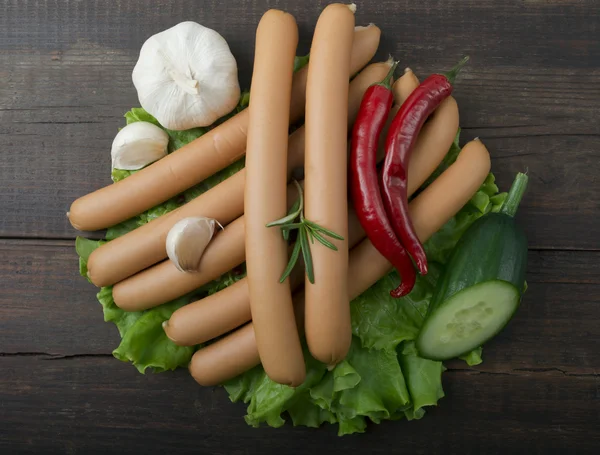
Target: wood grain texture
x,y
47,308
531,92
61,390
97,405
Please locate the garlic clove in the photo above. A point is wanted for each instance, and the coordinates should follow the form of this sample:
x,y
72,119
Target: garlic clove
x,y
137,145
187,240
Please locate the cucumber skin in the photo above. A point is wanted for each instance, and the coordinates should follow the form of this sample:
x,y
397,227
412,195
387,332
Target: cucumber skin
x,y
493,248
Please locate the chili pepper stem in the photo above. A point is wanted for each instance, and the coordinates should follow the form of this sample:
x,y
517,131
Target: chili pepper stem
x,y
451,75
515,194
387,81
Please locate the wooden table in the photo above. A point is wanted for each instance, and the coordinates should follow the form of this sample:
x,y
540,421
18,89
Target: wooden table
x,y
531,92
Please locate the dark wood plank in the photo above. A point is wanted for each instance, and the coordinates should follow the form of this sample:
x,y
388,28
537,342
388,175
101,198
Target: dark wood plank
x,y
98,405
46,308
530,91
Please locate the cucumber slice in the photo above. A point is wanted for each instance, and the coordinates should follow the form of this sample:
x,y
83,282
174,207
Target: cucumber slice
x,y
467,319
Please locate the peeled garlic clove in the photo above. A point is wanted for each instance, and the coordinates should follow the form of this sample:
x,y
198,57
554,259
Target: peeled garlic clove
x,y
187,241
137,145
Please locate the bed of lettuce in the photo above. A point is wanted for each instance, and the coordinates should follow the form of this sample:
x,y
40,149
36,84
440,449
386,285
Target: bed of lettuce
x,y
382,378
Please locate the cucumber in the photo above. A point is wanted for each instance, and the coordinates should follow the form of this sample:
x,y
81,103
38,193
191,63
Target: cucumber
x,y
481,287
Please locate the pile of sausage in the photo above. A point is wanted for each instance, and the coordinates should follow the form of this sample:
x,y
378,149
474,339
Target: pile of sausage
x,y
262,320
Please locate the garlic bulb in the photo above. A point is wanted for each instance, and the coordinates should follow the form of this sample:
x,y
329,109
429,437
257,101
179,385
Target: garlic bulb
x,y
186,76
137,145
187,240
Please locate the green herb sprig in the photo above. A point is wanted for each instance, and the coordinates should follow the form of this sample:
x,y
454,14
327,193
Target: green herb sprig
x,y
294,220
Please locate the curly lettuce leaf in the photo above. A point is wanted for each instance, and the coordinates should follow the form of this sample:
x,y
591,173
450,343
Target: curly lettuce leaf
x,y
124,320
145,343
300,61
270,399
84,248
304,412
383,322
473,358
423,378
367,385
380,391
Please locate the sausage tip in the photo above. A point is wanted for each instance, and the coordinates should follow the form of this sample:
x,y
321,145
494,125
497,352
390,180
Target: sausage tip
x,y
352,7
165,327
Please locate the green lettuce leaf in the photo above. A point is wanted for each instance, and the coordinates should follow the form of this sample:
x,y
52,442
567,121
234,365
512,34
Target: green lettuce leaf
x,y
124,320
383,322
84,248
473,358
269,400
367,385
305,413
423,377
145,343
301,61
122,228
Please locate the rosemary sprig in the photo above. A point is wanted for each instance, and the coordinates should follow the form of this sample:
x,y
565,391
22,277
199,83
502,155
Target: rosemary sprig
x,y
294,220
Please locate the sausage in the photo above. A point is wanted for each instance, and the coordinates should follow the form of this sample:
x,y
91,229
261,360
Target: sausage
x,y
364,46
404,86
370,75
163,282
327,313
221,361
229,308
195,161
236,352
146,245
265,199
139,249
436,136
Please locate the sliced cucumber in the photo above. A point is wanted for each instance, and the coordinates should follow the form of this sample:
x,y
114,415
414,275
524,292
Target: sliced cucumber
x,y
468,319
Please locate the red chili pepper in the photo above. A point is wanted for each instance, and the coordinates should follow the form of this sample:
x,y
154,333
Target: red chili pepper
x,y
399,144
372,115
